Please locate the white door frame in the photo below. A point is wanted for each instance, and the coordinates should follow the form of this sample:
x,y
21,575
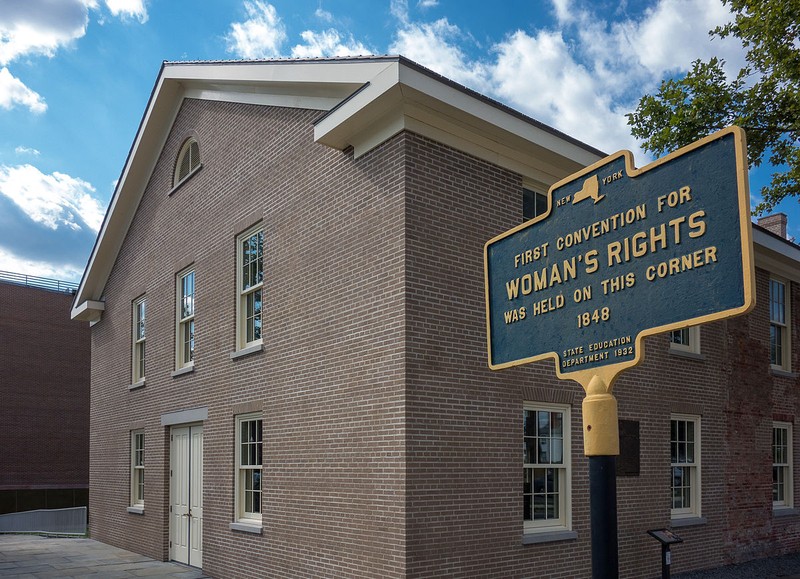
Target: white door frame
x,y
186,494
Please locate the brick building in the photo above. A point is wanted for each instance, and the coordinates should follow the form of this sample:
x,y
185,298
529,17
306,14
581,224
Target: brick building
x,y
44,396
289,373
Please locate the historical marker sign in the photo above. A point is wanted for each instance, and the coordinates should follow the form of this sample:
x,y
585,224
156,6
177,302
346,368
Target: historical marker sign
x,y
623,253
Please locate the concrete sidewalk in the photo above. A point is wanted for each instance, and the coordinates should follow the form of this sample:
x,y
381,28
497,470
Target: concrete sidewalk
x,y
32,556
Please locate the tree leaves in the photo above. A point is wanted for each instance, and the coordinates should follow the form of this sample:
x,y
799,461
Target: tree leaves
x,y
764,98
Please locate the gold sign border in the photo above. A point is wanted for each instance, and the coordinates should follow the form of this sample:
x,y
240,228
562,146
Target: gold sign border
x,y
609,372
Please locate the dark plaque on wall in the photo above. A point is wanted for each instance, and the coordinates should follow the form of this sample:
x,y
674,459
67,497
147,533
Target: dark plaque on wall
x,y
628,459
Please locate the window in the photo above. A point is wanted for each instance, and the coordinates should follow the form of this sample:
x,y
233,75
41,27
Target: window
x,y
778,329
248,468
546,468
185,320
137,468
685,466
139,315
188,161
782,465
533,203
250,282
685,340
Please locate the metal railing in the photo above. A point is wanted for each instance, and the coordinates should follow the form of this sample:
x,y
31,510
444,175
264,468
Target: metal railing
x,y
39,282
71,521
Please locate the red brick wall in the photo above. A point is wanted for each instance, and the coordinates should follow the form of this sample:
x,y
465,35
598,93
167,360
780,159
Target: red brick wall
x,y
44,395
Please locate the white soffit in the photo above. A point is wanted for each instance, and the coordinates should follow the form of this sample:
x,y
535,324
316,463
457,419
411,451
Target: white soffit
x,y
776,255
407,98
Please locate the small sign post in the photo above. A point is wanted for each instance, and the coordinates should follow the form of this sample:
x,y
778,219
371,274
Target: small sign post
x,y
667,538
621,254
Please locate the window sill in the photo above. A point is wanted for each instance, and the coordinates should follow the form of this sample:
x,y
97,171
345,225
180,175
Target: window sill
x,y
687,354
688,522
185,179
181,371
246,527
778,512
247,351
776,371
136,510
137,385
548,537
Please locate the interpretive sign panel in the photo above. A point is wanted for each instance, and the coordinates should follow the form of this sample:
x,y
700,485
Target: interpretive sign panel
x,y
623,253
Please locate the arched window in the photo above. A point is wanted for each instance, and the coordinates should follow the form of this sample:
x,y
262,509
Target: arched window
x,y
188,160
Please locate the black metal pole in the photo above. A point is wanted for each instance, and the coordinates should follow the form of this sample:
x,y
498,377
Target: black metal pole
x,y
603,504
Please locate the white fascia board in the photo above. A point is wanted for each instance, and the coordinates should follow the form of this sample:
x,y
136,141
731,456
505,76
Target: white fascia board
x,y
487,116
404,98
315,84
380,98
776,256
304,84
88,311
509,151
144,153
282,72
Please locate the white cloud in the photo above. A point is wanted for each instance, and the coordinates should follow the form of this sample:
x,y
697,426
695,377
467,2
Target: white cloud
x,y
53,200
428,3
399,9
22,150
537,75
15,264
327,43
564,11
261,35
435,45
128,9
40,26
583,76
324,15
14,92
671,35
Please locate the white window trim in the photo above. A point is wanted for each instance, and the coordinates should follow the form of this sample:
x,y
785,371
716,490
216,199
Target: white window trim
x,y
786,353
564,523
138,343
177,180
788,500
136,503
181,322
695,511
693,347
241,295
242,517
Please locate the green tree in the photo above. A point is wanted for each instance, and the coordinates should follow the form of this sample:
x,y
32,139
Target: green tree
x,y
764,98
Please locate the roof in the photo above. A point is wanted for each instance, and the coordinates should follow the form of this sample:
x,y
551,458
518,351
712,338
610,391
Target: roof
x,y
776,254
364,101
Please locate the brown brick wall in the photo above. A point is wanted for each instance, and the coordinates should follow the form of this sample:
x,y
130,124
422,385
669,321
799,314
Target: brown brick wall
x,y
390,448
44,399
464,421
330,378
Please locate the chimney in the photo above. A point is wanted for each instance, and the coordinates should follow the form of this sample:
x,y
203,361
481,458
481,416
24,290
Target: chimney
x,y
776,223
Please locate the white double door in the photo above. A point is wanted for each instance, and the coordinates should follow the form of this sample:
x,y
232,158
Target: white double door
x,y
186,495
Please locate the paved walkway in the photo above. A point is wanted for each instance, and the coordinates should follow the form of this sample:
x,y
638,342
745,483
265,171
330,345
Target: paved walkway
x,y
32,556
35,557
783,567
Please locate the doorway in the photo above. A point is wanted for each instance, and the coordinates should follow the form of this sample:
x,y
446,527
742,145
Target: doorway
x,y
186,495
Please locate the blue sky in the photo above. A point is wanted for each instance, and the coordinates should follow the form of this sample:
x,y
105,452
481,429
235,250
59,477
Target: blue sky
x,y
75,77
